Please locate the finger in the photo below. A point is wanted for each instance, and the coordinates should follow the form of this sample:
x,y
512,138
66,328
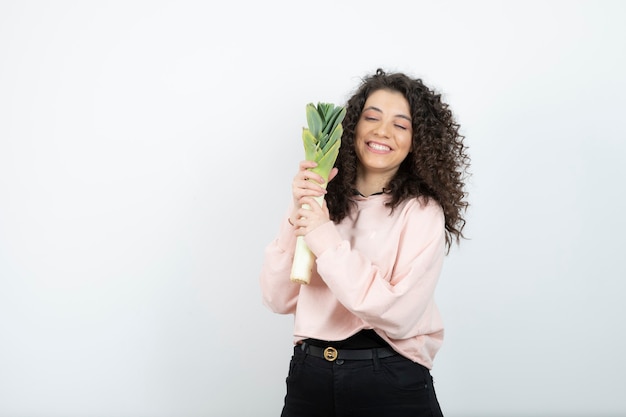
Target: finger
x,y
312,177
305,167
333,173
310,188
308,175
306,164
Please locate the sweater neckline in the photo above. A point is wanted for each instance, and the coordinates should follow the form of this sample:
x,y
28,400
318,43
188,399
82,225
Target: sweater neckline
x,y
358,193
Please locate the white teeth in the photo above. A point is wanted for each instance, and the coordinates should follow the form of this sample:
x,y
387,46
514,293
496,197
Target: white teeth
x,y
379,147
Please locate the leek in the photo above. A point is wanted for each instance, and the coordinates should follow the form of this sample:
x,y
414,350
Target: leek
x,y
322,139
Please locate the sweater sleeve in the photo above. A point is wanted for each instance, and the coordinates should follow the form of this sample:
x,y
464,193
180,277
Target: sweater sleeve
x,y
278,292
399,302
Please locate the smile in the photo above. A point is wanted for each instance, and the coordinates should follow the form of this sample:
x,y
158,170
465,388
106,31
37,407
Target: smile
x,y
378,146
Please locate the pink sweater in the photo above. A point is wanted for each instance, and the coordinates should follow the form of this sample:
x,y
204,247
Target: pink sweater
x,y
372,271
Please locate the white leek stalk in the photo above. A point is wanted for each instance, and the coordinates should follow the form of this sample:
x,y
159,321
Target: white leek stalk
x,y
322,140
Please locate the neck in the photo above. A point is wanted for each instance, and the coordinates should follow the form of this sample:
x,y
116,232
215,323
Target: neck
x,y
368,184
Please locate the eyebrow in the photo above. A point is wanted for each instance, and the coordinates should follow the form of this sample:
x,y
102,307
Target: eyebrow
x,y
380,111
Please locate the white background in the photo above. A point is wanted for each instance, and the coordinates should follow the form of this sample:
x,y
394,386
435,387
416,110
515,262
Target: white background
x,y
146,155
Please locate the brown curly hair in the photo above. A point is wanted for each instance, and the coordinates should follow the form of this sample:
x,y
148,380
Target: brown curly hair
x,y
436,167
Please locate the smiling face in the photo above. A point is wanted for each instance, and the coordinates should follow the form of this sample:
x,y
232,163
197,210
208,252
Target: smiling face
x,y
383,135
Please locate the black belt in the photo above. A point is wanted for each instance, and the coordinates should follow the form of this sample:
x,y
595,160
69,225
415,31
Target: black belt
x,y
331,354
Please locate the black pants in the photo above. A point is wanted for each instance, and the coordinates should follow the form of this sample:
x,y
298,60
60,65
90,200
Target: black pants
x,y
389,387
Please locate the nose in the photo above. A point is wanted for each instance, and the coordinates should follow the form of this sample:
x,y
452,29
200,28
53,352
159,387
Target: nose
x,y
381,129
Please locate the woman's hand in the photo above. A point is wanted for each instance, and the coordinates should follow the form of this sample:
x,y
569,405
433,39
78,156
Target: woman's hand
x,y
310,216
307,213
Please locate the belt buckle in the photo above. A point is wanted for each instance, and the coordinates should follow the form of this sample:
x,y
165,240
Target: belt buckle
x,y
330,354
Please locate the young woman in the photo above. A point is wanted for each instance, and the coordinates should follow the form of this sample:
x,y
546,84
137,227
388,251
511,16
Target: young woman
x,y
366,327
